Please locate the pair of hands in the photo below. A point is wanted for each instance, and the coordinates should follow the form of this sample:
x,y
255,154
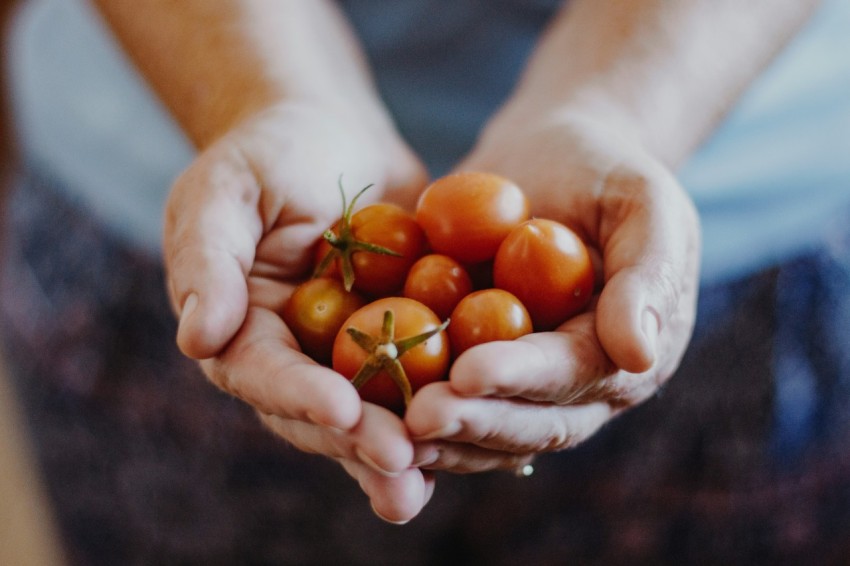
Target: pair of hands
x,y
240,226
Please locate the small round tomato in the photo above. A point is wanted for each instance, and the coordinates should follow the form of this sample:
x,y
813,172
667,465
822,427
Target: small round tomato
x,y
487,316
391,227
371,249
548,268
467,215
315,312
438,282
390,348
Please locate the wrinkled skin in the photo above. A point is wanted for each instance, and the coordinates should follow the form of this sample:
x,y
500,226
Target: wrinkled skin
x,y
240,227
507,402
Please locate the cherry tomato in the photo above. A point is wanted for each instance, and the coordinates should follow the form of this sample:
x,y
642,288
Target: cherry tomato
x,y
467,215
315,313
438,282
548,268
487,316
390,345
372,249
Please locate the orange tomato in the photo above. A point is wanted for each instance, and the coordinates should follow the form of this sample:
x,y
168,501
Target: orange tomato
x,y
487,316
548,268
414,342
467,215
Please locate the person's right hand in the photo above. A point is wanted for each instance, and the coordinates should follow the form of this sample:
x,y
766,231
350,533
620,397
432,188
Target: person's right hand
x,y
240,227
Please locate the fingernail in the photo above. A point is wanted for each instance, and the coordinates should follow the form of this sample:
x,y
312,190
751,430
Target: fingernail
x,y
650,326
429,492
311,417
425,455
374,465
189,306
375,511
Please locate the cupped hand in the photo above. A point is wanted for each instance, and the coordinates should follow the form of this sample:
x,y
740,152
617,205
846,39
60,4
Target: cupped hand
x,y
506,402
241,223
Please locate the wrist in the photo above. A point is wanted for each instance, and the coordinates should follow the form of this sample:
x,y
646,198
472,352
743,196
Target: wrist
x,y
215,63
588,118
664,73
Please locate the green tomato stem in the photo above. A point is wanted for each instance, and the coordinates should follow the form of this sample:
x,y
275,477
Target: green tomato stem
x,y
344,244
385,353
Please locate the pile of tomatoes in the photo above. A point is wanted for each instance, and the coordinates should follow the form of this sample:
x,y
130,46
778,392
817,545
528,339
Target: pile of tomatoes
x,y
396,297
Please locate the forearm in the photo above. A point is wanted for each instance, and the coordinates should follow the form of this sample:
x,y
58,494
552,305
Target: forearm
x,y
665,72
213,62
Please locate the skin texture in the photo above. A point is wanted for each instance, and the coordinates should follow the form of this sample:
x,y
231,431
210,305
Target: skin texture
x,y
274,132
592,139
278,100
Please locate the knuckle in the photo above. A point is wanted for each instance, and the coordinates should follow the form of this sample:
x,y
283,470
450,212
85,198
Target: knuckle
x,y
626,191
619,390
666,286
216,371
587,358
596,360
559,437
225,372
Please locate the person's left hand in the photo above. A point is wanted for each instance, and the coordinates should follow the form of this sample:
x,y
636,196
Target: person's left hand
x,y
505,402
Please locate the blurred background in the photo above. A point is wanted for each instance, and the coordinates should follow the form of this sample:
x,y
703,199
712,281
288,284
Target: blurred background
x,y
27,529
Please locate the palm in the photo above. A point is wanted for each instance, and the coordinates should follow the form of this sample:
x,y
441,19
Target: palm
x,y
241,223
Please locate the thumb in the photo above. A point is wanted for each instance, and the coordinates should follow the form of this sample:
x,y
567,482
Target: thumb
x,y
406,179
211,231
650,239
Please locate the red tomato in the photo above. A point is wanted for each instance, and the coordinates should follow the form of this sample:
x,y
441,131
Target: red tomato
x,y
421,364
548,268
467,215
387,226
487,316
315,312
438,282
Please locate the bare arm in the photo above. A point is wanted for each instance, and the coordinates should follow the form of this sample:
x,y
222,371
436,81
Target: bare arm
x,y
215,62
666,71
277,97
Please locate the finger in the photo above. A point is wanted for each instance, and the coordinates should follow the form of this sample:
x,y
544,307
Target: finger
x,y
211,230
509,425
553,367
649,233
269,294
406,181
263,367
463,458
396,499
379,440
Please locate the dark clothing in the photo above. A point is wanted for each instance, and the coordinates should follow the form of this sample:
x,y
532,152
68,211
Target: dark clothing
x,y
743,458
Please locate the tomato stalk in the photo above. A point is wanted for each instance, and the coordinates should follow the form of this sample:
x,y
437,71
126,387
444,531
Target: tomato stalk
x,y
384,353
345,244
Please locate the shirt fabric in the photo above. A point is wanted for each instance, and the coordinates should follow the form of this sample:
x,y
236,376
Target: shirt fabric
x,y
768,183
